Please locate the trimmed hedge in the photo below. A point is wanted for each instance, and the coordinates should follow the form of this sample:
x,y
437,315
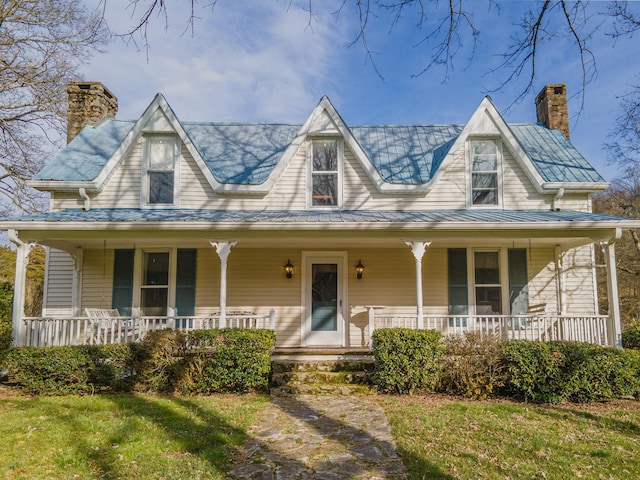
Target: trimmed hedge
x,y
71,370
477,366
407,361
631,336
228,360
207,361
560,371
6,300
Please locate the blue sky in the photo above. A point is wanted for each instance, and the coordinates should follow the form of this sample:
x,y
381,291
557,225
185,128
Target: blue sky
x,y
267,61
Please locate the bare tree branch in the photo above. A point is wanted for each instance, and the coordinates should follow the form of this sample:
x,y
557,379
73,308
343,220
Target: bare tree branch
x,y
41,44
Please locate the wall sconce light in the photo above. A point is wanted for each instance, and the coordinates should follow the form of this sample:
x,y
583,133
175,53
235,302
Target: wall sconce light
x,y
359,269
288,269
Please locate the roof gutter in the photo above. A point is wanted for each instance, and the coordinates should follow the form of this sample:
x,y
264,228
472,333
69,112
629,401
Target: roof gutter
x,y
583,187
62,186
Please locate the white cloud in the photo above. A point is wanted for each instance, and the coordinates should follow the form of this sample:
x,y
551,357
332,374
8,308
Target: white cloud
x,y
245,61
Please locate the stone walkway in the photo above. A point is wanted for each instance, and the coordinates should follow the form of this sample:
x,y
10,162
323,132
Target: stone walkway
x,y
320,437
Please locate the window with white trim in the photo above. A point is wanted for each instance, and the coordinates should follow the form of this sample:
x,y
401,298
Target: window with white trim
x,y
484,172
487,284
160,170
325,178
154,290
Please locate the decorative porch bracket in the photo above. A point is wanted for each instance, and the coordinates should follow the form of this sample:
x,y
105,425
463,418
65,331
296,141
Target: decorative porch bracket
x,y
615,329
19,286
418,249
223,249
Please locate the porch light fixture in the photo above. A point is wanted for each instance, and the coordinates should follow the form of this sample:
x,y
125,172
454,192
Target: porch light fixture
x,y
288,269
359,269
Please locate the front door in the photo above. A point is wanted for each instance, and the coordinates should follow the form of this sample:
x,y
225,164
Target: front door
x,y
324,300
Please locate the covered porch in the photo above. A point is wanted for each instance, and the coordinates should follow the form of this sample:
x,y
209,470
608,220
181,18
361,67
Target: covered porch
x,y
322,283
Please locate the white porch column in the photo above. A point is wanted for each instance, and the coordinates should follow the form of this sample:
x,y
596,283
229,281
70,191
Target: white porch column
x,y
615,330
223,249
418,249
560,280
19,288
76,299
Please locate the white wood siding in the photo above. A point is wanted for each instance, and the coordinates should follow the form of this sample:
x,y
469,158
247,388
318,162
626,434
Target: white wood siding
x,y
290,189
97,278
579,282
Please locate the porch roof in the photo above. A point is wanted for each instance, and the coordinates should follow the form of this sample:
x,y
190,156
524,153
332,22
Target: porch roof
x,y
474,218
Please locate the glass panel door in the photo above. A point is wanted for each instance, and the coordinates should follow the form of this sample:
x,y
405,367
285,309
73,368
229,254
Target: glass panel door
x,y
324,297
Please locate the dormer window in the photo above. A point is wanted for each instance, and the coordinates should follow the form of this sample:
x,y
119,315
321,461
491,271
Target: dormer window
x,y
325,176
159,185
485,167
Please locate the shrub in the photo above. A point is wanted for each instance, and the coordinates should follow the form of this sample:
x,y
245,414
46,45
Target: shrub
x,y
227,360
533,370
406,360
72,369
161,353
631,336
472,366
558,371
6,300
206,361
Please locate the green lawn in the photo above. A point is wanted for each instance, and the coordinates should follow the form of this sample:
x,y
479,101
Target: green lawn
x,y
442,438
145,436
122,436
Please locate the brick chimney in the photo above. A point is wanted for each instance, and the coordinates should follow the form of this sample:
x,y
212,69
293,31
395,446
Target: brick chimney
x,y
89,103
551,107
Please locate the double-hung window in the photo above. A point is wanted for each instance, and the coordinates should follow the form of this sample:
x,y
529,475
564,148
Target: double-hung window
x,y
485,167
488,285
496,283
154,294
325,172
159,182
157,284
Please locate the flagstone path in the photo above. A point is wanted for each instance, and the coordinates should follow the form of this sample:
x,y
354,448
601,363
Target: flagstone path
x,y
320,437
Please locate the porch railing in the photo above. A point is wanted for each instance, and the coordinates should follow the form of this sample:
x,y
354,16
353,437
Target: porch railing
x,y
55,331
579,328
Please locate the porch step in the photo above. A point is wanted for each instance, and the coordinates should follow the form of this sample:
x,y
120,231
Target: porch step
x,y
321,373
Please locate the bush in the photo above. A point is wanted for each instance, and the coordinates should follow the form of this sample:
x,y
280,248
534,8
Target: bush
x,y
559,371
206,361
71,370
6,301
631,336
162,352
228,360
406,360
473,366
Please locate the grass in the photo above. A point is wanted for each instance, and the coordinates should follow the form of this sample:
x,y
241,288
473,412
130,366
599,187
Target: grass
x,y
144,436
443,438
122,436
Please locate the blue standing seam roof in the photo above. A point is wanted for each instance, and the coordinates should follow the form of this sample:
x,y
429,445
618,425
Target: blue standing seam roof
x,y
246,154
479,216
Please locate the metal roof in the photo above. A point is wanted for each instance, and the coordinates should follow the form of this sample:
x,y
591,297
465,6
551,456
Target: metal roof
x,y
479,216
553,155
241,154
246,154
87,153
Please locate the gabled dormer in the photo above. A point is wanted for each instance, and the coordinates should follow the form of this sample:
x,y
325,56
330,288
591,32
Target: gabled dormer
x,y
161,162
